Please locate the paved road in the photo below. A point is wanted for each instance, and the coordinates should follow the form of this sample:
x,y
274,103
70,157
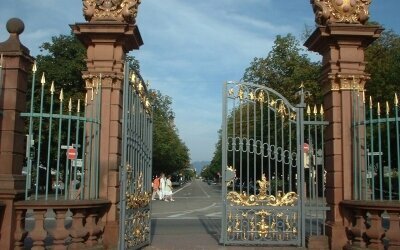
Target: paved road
x,y
192,221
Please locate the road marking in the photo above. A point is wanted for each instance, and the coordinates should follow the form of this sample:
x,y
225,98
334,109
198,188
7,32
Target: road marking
x,y
216,214
182,188
175,215
202,189
186,212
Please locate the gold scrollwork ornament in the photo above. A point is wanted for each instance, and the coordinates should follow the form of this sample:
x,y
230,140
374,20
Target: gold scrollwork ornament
x,y
341,11
110,10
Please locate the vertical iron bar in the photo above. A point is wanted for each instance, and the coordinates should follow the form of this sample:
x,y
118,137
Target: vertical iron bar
x,y
323,169
49,139
30,136
389,160
283,150
90,164
39,138
248,147
255,143
380,157
397,145
241,142
372,150
60,120
83,152
300,166
68,171
123,159
77,146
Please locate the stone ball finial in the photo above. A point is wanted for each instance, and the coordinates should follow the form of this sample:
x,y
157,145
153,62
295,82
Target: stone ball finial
x,y
15,26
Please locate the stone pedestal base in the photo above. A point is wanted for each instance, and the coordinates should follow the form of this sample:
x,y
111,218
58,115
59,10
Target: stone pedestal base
x,y
318,242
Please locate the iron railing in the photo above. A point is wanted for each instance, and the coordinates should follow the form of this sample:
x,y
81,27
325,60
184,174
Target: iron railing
x,y
376,140
62,148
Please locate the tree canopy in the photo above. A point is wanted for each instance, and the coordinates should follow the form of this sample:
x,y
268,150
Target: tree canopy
x,y
284,69
63,60
170,154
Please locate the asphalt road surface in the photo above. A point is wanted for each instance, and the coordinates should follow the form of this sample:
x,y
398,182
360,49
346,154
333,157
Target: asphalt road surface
x,y
192,221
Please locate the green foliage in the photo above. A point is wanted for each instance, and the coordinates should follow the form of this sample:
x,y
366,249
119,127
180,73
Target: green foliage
x,y
285,68
210,171
63,60
383,58
170,154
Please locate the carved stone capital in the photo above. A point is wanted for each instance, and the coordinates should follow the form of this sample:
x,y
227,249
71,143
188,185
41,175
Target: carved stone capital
x,y
104,79
340,82
341,11
110,10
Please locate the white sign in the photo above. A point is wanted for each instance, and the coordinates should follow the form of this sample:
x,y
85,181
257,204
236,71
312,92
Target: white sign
x,y
77,163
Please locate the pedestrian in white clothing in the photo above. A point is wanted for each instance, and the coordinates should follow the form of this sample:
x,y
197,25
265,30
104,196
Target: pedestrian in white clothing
x,y
168,189
162,186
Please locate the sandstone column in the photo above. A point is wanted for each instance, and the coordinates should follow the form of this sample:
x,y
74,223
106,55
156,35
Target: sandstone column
x,y
109,35
16,65
341,38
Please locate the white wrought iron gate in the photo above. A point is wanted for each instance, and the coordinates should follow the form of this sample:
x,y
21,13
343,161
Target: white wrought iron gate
x,y
136,163
262,147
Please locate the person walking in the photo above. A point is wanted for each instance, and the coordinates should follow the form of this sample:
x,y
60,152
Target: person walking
x,y
156,188
162,186
168,189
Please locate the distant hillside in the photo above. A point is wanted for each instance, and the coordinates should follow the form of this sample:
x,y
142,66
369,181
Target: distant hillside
x,y
198,165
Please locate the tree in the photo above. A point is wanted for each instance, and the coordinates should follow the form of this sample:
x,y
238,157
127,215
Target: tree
x,y
170,154
63,60
285,68
383,57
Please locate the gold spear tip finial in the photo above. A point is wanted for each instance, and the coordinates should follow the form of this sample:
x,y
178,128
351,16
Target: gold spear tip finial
x,y
301,85
34,67
308,109
133,77
321,111
396,100
370,102
86,99
1,60
70,105
387,107
379,108
79,105
43,80
61,95
52,89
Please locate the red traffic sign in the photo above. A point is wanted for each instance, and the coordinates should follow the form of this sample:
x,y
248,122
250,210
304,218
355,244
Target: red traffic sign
x,y
306,148
72,154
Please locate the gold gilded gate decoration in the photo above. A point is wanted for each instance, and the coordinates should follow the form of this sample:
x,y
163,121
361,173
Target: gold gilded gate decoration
x,y
264,224
281,199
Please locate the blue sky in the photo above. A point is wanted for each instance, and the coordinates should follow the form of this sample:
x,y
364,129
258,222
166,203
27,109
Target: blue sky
x,y
190,46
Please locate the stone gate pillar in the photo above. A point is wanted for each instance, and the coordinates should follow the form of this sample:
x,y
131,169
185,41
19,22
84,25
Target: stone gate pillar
x,y
109,35
341,38
16,65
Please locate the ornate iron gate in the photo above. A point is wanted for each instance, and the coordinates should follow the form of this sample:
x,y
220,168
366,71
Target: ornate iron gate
x,y
262,150
136,163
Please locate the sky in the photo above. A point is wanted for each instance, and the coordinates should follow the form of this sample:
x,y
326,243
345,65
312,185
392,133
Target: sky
x,y
191,47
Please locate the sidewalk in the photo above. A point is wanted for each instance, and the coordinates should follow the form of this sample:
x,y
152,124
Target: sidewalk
x,y
201,234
